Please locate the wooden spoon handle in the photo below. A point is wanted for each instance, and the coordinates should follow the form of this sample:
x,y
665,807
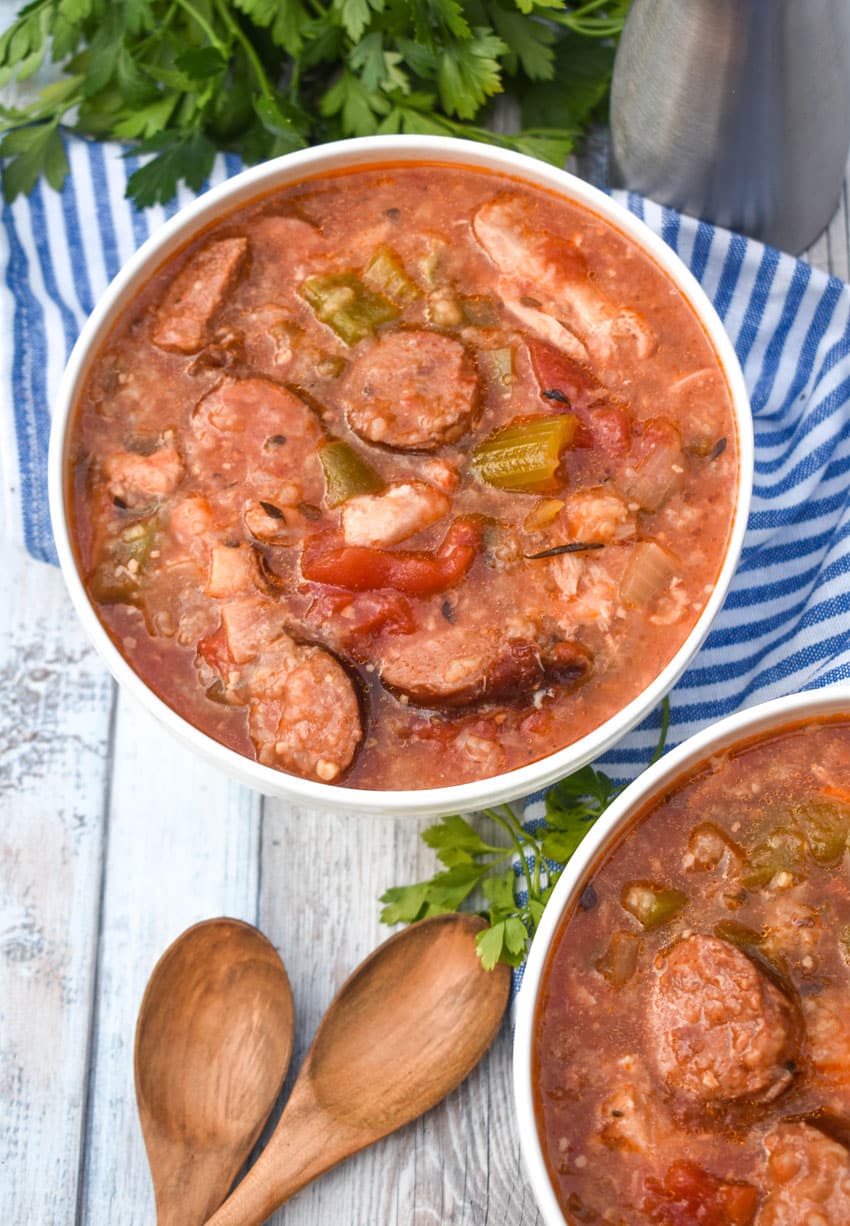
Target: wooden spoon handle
x,y
306,1142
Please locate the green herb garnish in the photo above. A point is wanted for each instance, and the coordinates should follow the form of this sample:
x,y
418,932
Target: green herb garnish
x,y
470,863
185,78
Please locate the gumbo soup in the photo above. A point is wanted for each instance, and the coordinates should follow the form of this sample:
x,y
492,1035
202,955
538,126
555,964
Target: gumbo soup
x,y
691,1058
403,477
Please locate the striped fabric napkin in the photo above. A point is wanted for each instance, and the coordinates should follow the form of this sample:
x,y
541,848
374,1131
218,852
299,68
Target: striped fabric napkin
x,y
786,622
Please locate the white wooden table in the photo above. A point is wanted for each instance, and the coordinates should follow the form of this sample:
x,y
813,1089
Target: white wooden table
x,y
113,840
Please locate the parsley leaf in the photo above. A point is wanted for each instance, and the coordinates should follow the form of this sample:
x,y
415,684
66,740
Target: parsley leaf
x,y
179,155
468,73
580,82
261,77
530,43
33,151
536,853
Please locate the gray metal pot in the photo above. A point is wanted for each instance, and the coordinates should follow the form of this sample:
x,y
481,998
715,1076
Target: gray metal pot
x,y
737,111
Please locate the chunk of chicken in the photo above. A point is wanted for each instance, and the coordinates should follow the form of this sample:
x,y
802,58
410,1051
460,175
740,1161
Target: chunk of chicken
x,y
809,1177
550,270
828,1034
139,479
598,514
232,570
399,511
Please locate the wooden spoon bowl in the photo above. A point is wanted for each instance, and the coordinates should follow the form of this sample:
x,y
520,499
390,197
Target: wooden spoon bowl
x,y
405,1029
213,1043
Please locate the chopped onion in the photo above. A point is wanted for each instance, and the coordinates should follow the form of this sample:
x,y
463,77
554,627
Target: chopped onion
x,y
649,572
658,476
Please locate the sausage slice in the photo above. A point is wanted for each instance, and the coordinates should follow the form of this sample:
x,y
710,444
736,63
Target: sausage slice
x,y
303,711
719,1028
413,390
465,666
196,293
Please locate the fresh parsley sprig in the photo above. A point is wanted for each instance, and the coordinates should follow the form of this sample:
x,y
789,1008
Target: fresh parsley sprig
x,y
540,850
181,79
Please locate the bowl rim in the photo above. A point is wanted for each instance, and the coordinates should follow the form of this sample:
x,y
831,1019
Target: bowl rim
x,y
764,717
254,183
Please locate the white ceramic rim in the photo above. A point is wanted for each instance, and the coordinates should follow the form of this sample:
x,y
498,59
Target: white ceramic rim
x,y
751,722
252,184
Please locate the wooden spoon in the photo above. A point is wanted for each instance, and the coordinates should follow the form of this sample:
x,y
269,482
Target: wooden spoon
x,y
213,1042
406,1028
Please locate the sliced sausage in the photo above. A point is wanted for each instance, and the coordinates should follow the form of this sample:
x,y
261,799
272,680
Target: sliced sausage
x,y
303,711
414,390
719,1029
809,1178
262,441
196,293
462,668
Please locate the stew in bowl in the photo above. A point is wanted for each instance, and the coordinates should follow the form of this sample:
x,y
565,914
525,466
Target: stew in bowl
x,y
408,473
684,1048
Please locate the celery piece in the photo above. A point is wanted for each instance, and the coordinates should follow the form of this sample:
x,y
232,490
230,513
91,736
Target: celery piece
x,y
782,851
386,274
826,825
347,306
121,562
619,961
543,514
652,905
740,935
524,456
346,473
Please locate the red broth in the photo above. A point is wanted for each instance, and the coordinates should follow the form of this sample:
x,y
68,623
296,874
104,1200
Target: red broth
x,y
692,1037
403,477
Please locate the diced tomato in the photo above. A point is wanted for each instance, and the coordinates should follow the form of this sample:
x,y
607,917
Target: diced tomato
x,y
364,613
610,430
360,568
606,423
691,1196
213,649
556,372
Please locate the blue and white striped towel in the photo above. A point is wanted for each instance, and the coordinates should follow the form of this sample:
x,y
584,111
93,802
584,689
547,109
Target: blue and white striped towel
x,y
786,622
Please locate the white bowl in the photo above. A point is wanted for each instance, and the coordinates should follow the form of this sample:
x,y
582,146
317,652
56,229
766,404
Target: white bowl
x,y
249,186
650,785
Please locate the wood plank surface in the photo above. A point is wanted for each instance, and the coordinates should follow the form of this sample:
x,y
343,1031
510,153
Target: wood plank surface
x,y
56,706
113,840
